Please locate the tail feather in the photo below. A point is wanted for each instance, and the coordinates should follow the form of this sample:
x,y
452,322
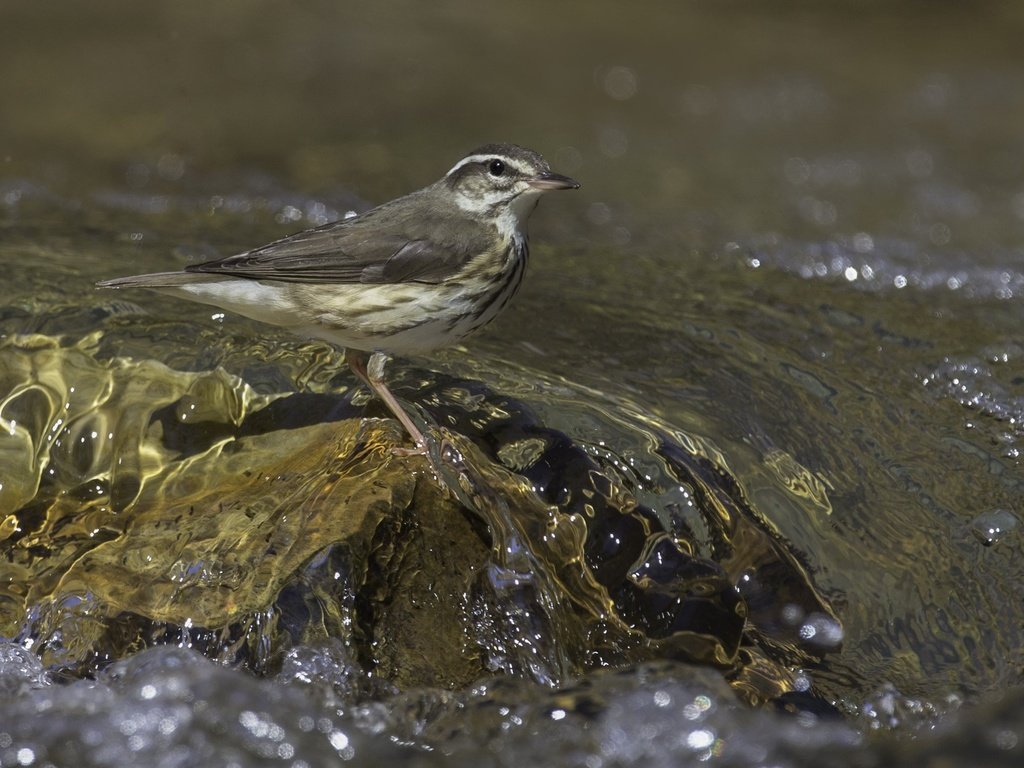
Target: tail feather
x,y
154,280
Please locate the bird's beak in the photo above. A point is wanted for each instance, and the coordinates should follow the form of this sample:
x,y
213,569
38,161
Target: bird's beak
x,y
548,181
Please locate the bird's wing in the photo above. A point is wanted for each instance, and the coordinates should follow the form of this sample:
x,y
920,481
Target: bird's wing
x,y
364,249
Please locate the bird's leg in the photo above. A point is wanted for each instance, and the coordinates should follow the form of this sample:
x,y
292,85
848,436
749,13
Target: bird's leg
x,y
372,374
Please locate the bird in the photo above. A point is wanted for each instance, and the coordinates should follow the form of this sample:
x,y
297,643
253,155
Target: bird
x,y
410,276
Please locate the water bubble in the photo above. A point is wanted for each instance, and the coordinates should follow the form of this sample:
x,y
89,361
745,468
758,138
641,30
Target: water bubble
x,y
1005,739
700,739
821,631
171,167
289,214
697,708
936,94
863,242
992,526
340,741
620,83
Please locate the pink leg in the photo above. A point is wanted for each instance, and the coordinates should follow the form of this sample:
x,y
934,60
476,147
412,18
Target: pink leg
x,y
372,374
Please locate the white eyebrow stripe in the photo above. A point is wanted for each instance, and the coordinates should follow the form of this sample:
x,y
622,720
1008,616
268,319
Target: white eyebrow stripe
x,y
467,161
483,158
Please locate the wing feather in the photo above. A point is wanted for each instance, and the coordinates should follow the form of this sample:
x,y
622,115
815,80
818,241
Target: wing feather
x,y
371,248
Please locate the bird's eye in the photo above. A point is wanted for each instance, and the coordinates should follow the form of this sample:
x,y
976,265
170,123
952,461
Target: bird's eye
x,y
496,167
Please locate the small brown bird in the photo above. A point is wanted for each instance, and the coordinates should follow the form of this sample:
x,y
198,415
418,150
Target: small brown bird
x,y
412,275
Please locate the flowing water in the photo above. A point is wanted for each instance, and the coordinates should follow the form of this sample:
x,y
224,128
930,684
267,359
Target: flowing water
x,y
735,480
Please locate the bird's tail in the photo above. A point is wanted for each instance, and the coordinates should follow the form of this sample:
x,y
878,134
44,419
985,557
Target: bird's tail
x,y
154,280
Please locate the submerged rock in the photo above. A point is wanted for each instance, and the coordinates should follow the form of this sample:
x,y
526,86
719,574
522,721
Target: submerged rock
x,y
248,525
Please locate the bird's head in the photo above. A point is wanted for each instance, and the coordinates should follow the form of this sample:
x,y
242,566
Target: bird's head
x,y
503,181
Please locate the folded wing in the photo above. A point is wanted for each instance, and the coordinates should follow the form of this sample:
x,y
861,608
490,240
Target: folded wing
x,y
351,251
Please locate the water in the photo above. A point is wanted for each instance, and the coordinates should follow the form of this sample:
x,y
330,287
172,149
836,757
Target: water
x,y
771,349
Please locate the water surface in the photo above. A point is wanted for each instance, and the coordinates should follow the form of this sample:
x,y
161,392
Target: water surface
x,y
798,245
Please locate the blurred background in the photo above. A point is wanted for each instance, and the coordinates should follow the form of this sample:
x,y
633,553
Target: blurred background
x,y
800,233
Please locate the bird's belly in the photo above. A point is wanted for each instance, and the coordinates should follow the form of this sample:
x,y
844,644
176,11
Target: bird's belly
x,y
406,318
402,318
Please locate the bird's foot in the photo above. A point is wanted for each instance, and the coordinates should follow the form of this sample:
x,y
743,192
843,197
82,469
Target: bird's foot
x,y
404,451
